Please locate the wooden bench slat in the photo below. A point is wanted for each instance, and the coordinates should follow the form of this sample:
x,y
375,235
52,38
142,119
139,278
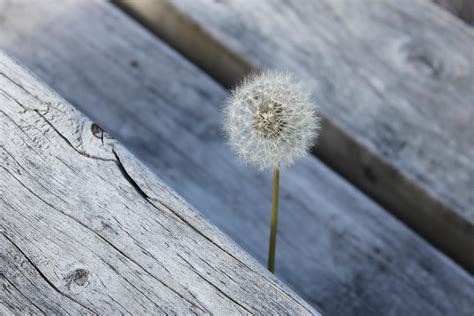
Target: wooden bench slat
x,y
85,228
394,79
337,248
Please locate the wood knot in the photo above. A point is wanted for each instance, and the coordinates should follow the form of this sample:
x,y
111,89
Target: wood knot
x,y
77,277
97,131
133,63
423,58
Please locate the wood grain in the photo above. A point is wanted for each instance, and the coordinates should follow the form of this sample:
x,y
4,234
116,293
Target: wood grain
x,y
86,229
337,248
394,79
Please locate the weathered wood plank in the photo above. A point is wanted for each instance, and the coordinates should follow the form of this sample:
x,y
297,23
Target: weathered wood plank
x,y
338,249
394,79
85,229
464,9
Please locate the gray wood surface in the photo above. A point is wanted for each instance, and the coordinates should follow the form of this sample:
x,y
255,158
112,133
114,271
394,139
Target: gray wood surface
x,y
464,9
394,79
338,249
86,229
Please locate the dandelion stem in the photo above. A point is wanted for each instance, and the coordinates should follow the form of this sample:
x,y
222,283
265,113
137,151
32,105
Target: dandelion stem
x,y
273,230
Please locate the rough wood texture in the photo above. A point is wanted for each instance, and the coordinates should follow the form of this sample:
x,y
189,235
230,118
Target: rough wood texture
x,y
84,228
464,9
338,249
394,79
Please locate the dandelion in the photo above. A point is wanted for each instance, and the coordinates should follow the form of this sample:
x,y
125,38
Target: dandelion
x,y
271,122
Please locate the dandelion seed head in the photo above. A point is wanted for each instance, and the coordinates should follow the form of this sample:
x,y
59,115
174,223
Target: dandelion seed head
x,y
270,120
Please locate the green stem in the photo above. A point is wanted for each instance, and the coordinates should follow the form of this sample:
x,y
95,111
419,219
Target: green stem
x,y
273,231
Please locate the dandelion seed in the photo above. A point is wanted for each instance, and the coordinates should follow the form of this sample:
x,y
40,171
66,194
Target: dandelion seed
x,y
271,122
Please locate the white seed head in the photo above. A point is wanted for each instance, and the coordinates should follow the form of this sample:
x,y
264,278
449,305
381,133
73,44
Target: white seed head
x,y
270,120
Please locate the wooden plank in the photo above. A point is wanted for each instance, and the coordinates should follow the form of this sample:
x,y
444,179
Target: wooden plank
x,y
86,229
464,9
394,79
337,248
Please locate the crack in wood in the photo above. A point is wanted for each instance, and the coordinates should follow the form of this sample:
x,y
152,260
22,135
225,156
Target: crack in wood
x,y
48,122
150,200
76,209
82,153
18,290
105,240
127,177
43,276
